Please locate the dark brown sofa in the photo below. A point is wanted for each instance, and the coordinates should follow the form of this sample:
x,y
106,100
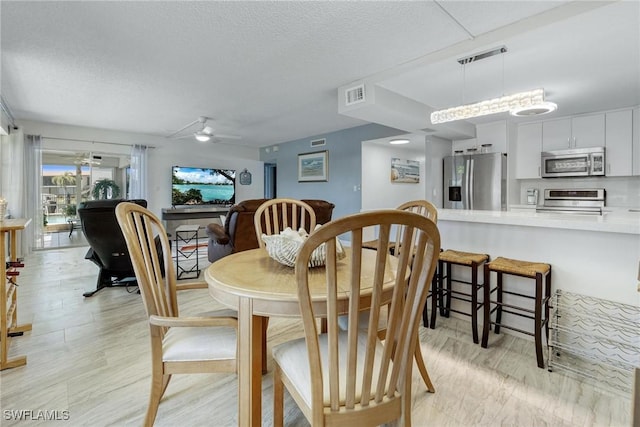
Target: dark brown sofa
x,y
238,232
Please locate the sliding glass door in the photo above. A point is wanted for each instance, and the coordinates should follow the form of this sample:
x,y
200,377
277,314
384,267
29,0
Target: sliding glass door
x,y
69,178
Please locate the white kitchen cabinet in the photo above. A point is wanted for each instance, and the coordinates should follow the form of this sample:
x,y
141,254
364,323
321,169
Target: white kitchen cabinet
x,y
588,131
494,133
636,141
575,132
528,151
556,135
464,144
618,143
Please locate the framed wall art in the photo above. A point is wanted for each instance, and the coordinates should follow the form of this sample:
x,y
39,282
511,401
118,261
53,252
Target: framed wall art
x,y
313,167
407,171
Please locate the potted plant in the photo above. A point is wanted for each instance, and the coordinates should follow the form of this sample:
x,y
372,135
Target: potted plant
x,y
70,211
105,189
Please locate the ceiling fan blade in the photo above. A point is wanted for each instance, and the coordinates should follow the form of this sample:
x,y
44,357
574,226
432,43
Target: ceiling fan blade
x,y
182,129
189,135
217,135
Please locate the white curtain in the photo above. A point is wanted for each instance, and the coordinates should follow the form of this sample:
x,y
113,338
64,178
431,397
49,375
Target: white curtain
x,y
19,177
33,186
138,174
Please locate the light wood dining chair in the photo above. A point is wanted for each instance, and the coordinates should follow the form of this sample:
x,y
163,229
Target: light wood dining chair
x,y
179,345
428,210
274,215
352,377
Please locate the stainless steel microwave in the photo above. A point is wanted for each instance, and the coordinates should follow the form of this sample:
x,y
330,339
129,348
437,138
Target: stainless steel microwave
x,y
576,162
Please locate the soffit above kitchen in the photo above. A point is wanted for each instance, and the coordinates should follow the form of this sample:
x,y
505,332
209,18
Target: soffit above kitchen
x,y
586,56
270,71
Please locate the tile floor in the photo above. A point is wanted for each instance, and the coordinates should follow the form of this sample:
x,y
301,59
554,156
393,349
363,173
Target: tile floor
x,y
90,357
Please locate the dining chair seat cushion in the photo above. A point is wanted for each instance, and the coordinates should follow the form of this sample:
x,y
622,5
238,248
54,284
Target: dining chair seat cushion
x,y
199,343
294,363
363,321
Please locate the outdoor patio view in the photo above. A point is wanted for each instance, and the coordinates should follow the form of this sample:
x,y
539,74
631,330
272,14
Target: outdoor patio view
x,y
69,179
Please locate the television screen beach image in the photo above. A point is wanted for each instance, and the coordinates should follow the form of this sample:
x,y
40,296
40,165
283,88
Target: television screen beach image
x,y
202,186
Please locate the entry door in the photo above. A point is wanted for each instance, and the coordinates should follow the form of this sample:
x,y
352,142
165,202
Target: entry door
x,y
270,183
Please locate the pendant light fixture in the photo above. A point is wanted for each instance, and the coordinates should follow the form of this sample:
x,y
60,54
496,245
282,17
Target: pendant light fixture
x,y
521,104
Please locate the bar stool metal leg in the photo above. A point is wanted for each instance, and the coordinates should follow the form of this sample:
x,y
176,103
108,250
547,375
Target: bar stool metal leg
x,y
546,304
436,294
499,305
445,307
474,302
538,321
486,295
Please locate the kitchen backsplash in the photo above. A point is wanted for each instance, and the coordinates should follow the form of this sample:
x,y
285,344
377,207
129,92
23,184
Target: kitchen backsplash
x,y
621,191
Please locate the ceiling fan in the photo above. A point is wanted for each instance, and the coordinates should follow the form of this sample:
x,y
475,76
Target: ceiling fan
x,y
203,134
85,160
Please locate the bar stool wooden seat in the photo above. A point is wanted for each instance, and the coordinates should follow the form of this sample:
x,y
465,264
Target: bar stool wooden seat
x,y
441,296
532,270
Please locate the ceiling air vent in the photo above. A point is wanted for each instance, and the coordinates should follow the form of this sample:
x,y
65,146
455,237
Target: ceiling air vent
x,y
354,95
318,142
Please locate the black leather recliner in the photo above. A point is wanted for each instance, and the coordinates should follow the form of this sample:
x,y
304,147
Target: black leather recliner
x,y
108,247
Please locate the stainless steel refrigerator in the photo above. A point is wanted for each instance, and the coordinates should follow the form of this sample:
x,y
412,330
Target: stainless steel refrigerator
x,y
475,181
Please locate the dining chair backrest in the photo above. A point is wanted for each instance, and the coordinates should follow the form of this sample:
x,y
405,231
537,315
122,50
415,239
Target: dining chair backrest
x,y
274,215
420,207
201,344
365,373
145,235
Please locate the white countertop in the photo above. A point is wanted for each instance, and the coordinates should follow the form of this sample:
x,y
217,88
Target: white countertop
x,y
612,221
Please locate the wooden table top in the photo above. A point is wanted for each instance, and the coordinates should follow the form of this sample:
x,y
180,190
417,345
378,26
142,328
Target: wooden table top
x,y
272,286
14,224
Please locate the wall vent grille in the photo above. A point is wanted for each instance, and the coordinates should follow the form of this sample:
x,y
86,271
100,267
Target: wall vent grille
x,y
318,142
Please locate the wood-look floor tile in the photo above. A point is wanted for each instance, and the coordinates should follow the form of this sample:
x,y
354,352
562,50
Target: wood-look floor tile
x,y
91,356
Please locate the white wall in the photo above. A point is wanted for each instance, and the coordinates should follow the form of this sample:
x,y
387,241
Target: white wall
x,y
437,149
167,153
378,192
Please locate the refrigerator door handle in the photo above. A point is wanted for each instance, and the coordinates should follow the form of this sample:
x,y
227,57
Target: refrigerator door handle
x,y
470,183
465,185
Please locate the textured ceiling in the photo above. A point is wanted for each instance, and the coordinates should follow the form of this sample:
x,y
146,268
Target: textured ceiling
x,y
268,71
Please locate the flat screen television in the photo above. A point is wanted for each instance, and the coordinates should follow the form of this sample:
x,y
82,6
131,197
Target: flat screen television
x,y
202,186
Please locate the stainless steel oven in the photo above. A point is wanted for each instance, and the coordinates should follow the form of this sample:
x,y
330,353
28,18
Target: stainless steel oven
x,y
576,162
588,201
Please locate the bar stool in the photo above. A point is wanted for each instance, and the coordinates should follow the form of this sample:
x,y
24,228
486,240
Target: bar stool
x,y
531,270
442,297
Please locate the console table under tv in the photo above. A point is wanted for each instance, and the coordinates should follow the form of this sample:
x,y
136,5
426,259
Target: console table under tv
x,y
197,215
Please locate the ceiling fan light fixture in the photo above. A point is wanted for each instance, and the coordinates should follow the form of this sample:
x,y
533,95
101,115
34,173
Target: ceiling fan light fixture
x,y
202,137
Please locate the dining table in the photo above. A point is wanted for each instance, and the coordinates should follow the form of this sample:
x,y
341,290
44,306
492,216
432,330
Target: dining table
x,y
259,287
